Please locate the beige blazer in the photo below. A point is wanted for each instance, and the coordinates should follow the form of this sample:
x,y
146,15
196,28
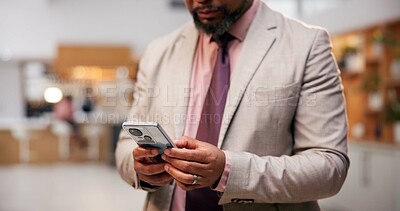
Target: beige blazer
x,y
284,123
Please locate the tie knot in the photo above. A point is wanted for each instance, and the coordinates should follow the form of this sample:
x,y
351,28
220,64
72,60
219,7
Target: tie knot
x,y
222,40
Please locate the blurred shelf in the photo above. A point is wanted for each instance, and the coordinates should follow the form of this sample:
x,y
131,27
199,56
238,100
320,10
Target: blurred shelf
x,y
393,84
372,112
345,73
375,72
372,61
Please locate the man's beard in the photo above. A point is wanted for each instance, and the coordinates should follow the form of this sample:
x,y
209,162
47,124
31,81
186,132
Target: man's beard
x,y
229,18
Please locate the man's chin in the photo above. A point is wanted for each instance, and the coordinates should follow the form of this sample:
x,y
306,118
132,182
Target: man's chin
x,y
207,28
207,23
213,26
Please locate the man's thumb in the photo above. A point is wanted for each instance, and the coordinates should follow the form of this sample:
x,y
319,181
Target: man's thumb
x,y
186,142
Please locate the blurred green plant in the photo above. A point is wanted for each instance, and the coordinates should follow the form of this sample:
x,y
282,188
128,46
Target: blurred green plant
x,y
386,37
349,50
371,82
378,36
392,111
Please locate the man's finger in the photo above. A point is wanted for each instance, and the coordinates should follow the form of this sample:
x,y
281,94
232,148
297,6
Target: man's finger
x,y
140,152
200,156
186,166
148,168
186,142
180,176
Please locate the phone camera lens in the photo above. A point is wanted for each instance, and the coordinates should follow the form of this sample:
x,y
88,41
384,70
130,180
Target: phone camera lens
x,y
135,132
148,138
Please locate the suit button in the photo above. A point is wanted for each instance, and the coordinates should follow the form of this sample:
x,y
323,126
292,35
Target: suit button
x,y
248,201
242,201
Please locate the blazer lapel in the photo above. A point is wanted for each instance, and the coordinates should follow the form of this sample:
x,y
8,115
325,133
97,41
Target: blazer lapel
x,y
182,70
259,39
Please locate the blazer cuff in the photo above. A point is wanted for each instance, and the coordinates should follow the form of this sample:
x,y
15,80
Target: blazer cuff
x,y
148,187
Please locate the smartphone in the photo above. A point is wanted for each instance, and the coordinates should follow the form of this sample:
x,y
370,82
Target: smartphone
x,y
148,134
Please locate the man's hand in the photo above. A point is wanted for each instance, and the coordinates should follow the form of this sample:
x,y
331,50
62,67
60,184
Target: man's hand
x,y
194,157
148,170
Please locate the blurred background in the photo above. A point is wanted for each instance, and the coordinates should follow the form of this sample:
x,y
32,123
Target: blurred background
x,y
67,71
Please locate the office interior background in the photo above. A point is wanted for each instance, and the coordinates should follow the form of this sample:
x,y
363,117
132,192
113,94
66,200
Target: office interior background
x,y
90,49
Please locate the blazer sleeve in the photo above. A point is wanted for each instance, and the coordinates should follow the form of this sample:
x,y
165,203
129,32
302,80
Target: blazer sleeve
x,y
138,112
319,164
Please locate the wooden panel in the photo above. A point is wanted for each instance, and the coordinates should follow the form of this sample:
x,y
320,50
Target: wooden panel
x,y
44,148
94,62
105,56
353,101
9,148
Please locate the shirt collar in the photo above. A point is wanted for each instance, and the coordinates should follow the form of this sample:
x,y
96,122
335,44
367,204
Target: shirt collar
x,y
240,28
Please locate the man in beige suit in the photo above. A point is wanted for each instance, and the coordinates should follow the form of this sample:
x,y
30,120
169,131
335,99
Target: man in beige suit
x,y
282,142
